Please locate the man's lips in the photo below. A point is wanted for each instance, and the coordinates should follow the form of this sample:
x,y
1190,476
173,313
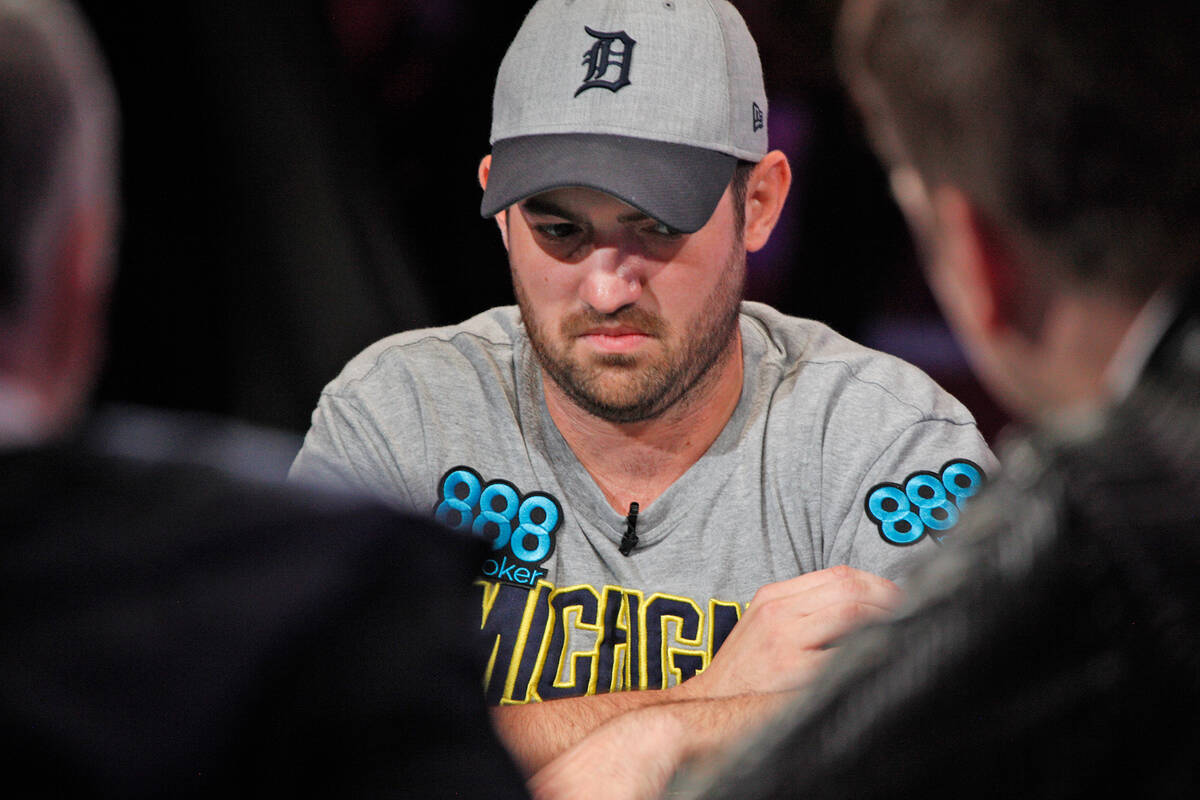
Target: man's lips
x,y
621,339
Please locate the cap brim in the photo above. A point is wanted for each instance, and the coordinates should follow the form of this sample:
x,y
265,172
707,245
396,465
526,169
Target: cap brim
x,y
676,184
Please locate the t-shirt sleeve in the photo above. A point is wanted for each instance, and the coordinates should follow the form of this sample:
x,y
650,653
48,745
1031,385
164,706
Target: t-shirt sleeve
x,y
344,449
909,499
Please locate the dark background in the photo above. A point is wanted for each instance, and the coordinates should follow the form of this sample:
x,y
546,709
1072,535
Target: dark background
x,y
299,180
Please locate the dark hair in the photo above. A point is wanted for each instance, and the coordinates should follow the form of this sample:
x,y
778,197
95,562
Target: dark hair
x,y
738,187
1074,125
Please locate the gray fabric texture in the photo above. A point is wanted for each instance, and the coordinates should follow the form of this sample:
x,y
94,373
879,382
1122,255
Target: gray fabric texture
x,y
781,492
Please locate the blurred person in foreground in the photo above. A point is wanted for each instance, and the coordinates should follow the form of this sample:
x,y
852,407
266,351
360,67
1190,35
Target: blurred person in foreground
x,y
165,628
1047,156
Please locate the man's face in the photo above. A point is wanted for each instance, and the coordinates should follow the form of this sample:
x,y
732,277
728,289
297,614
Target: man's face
x,y
957,257
625,315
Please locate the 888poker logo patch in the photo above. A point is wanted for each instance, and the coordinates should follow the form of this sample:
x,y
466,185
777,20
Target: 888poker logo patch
x,y
521,527
927,502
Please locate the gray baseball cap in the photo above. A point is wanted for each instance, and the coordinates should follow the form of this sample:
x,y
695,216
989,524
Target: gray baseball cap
x,y
651,101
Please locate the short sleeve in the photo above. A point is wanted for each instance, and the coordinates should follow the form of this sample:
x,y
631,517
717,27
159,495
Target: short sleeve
x,y
910,499
343,449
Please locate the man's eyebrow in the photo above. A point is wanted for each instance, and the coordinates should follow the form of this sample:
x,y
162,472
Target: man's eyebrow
x,y
547,208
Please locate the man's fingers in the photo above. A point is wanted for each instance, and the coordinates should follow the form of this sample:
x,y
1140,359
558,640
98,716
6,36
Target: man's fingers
x,y
793,632
854,586
825,627
801,583
824,577
783,636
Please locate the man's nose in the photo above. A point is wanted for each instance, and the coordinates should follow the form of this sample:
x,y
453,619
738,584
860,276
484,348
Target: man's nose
x,y
613,279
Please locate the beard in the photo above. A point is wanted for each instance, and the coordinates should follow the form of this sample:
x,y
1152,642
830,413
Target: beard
x,y
620,387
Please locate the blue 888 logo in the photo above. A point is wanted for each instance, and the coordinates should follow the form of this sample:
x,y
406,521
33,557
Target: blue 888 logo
x,y
927,501
496,511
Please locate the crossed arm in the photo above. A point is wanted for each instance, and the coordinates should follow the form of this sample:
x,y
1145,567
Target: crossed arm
x,y
635,755
775,649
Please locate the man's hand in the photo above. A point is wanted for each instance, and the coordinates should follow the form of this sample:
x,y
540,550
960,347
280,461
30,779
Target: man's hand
x,y
784,636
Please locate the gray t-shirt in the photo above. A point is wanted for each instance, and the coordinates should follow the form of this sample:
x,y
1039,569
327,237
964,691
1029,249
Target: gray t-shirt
x,y
835,454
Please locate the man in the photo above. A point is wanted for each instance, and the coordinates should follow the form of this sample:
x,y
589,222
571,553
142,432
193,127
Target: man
x,y
645,452
166,629
1045,154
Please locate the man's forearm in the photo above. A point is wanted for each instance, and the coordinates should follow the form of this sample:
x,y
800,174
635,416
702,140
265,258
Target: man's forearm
x,y
635,755
536,733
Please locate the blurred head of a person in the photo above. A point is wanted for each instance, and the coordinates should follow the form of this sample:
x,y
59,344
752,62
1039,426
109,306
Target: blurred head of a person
x,y
1045,155
58,210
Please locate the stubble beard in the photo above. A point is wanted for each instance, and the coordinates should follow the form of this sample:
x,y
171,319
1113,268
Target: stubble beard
x,y
633,388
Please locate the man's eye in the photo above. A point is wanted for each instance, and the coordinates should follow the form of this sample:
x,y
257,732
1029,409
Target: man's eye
x,y
664,230
557,230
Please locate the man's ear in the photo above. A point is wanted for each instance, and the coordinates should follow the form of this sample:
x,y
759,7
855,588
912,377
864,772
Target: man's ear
x,y
485,169
766,191
53,344
72,322
980,263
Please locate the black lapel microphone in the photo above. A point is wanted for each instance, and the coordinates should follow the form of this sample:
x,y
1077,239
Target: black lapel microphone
x,y
629,540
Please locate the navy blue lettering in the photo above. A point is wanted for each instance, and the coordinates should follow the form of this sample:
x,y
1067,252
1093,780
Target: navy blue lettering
x,y
535,635
528,631
581,664
721,619
660,663
612,635
500,631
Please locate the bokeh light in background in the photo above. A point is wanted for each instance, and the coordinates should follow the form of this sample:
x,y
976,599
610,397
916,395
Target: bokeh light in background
x,y
300,181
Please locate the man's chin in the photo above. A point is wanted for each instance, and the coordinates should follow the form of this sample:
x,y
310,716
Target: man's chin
x,y
615,401
620,413
622,361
